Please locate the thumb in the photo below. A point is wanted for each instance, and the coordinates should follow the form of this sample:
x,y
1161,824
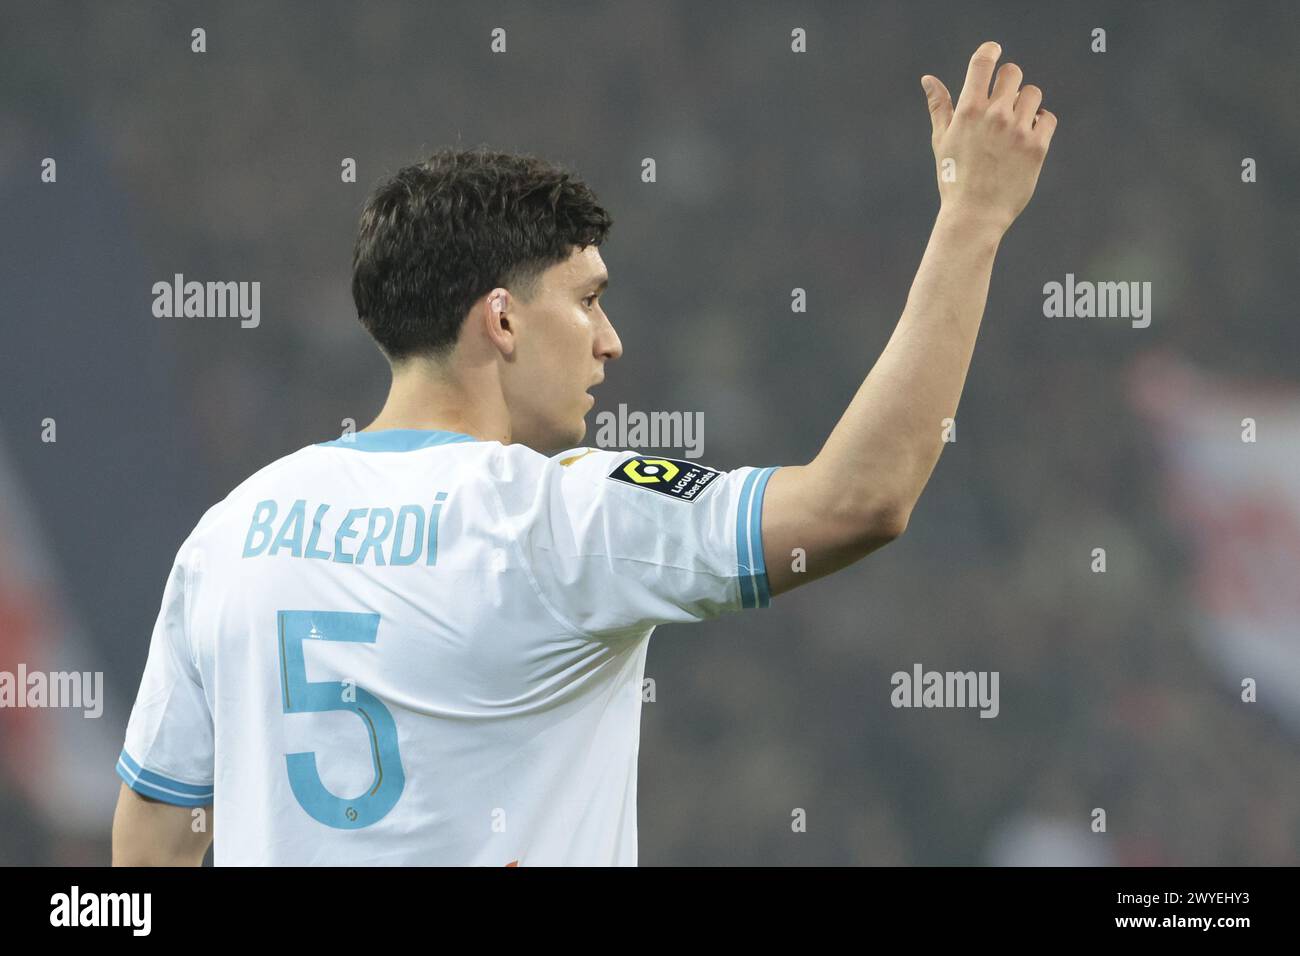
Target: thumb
x,y
940,103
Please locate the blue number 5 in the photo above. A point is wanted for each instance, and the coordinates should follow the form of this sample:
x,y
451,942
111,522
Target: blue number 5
x,y
302,696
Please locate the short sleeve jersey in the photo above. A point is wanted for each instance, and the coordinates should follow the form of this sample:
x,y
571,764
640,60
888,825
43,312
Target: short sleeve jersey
x,y
413,647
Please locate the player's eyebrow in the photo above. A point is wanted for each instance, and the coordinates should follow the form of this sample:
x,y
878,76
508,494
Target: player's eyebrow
x,y
599,287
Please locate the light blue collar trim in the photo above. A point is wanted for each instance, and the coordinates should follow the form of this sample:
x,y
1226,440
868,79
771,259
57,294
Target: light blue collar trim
x,y
396,439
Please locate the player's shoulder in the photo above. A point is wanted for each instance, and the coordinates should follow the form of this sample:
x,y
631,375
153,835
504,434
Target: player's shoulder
x,y
259,483
577,465
593,474
309,466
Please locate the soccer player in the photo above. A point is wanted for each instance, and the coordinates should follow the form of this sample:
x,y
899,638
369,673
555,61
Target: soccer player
x,y
424,643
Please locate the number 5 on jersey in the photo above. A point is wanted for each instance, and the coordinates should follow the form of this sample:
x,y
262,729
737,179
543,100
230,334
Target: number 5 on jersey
x,y
302,696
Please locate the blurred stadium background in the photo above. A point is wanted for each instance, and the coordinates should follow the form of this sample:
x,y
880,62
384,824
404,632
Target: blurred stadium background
x,y
775,170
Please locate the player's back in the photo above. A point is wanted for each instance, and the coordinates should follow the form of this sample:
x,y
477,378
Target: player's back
x,y
413,647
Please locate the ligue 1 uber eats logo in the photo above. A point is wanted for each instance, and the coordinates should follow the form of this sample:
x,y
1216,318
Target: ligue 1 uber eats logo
x,y
683,480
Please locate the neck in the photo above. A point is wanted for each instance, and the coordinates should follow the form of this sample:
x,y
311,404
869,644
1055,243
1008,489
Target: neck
x,y
432,395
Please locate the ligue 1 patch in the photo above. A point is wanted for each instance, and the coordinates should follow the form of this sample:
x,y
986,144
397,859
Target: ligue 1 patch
x,y
683,480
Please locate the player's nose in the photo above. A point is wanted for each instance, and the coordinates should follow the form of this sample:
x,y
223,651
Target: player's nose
x,y
608,344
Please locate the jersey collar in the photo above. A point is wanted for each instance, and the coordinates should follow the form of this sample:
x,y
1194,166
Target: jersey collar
x,y
397,439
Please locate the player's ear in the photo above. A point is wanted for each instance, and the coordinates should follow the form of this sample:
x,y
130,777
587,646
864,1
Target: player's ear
x,y
495,314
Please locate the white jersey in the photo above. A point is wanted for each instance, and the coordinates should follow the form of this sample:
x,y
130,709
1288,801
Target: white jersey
x,y
415,647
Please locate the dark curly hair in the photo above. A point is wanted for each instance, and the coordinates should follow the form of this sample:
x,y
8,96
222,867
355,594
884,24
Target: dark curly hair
x,y
440,234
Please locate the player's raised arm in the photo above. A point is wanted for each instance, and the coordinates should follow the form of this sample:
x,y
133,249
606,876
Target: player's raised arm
x,y
858,493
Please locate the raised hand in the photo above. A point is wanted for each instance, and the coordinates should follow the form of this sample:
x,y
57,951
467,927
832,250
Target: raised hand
x,y
989,150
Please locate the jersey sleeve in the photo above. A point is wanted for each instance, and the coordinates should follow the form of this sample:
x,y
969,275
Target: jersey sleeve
x,y
619,541
168,752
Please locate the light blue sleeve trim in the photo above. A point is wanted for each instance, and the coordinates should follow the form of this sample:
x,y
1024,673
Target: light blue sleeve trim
x,y
158,787
751,568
